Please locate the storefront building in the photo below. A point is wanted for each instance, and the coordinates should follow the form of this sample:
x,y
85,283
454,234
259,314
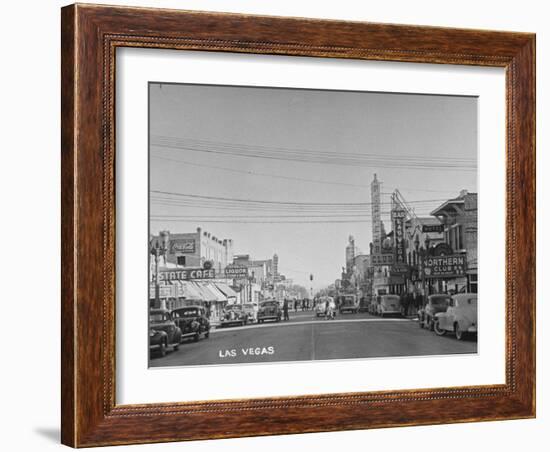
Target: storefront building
x,y
459,268
193,249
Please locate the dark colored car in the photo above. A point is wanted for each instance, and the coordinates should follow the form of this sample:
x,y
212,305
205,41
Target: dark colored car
x,y
348,303
269,310
436,303
234,315
192,321
163,332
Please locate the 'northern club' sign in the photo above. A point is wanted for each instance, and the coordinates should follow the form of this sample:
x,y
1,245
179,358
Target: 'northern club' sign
x,y
444,266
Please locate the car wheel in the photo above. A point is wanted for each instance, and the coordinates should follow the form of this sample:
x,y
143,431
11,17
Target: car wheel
x,y
176,347
162,349
196,337
207,335
459,334
439,331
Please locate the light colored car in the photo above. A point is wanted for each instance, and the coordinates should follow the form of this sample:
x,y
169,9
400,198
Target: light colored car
x,y
321,307
251,310
388,305
436,303
234,315
460,317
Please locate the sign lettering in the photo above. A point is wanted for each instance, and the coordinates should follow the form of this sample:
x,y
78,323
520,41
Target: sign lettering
x,y
186,274
444,266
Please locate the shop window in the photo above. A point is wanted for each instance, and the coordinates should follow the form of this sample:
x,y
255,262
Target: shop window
x,y
473,283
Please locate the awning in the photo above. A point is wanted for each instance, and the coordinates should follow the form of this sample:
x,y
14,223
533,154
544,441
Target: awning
x,y
220,296
206,295
187,290
226,290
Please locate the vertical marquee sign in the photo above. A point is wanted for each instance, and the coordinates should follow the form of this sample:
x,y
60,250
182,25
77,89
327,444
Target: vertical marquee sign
x,y
398,219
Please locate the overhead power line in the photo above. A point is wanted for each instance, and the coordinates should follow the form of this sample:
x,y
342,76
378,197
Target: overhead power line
x,y
308,156
270,202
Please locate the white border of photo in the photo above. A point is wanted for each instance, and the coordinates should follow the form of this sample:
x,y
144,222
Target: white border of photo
x,y
136,383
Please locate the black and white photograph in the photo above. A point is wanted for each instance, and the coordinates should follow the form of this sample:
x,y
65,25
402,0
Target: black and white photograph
x,y
292,224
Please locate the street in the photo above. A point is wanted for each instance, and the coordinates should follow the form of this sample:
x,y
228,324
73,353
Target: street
x,y
306,337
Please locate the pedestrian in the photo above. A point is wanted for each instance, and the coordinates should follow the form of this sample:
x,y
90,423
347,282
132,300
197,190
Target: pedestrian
x,y
332,309
285,310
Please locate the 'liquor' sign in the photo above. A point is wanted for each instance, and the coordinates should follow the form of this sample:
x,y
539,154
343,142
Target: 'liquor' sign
x,y
236,272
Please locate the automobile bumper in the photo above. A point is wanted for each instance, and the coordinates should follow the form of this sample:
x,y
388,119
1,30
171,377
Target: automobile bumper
x,y
472,329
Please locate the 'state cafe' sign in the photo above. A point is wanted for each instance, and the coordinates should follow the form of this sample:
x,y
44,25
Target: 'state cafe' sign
x,y
186,274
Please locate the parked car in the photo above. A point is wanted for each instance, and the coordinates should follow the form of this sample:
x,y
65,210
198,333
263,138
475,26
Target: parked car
x,y
192,321
234,314
364,304
388,305
436,303
460,317
251,311
269,310
321,307
372,308
163,332
348,303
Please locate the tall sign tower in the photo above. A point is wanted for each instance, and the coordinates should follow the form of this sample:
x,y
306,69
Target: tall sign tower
x,y
376,221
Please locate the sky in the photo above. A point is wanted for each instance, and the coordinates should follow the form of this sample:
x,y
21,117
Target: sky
x,y
288,171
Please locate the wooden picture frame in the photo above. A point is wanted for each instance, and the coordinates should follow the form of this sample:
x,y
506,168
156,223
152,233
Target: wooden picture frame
x,y
90,36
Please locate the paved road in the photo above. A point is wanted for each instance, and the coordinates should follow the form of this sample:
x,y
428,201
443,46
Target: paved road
x,y
306,337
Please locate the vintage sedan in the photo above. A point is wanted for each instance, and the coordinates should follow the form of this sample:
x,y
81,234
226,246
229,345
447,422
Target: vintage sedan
x,y
251,311
163,332
388,305
192,321
348,303
321,307
234,314
436,303
460,317
269,310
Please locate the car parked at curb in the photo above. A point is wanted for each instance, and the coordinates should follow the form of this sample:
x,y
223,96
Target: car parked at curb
x,y
234,314
460,317
269,310
388,305
436,303
163,332
192,321
348,303
321,307
251,311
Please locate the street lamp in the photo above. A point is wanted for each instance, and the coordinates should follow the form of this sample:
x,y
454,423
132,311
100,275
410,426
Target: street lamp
x,y
158,248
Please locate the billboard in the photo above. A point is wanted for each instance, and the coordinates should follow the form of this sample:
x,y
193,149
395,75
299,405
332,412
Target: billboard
x,y
444,266
185,246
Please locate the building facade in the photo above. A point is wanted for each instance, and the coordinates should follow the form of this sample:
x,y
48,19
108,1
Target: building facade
x,y
193,249
459,219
